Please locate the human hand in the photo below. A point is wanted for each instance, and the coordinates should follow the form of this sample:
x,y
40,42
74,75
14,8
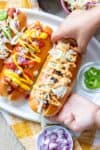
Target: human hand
x,y
77,114
79,25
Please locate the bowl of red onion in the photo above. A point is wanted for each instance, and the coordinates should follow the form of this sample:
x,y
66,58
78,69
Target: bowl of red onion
x,y
54,138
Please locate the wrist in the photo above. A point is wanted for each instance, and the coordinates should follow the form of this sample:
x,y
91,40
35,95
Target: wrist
x,y
97,118
95,13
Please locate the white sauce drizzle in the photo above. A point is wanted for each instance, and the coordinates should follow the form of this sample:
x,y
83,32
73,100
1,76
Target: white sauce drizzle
x,y
60,91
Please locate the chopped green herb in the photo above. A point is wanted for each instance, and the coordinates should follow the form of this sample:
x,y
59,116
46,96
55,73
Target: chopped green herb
x,y
7,32
92,78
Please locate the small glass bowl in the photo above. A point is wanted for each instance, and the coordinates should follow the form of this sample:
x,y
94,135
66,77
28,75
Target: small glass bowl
x,y
96,99
64,6
80,77
51,129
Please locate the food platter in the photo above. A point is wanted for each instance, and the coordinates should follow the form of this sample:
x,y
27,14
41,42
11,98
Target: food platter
x,y
22,109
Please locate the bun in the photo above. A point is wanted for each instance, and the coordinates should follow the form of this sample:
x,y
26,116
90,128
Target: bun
x,y
14,22
23,66
56,79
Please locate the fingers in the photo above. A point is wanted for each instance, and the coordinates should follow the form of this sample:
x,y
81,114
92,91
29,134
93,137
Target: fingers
x,y
59,118
58,35
72,124
62,32
69,119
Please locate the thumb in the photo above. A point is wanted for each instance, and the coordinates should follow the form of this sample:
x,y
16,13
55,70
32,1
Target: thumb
x,y
60,33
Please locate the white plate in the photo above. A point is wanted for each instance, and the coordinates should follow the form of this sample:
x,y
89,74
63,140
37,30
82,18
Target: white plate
x,y
22,109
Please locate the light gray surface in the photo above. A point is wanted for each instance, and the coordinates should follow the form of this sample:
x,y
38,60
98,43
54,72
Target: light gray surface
x,y
7,139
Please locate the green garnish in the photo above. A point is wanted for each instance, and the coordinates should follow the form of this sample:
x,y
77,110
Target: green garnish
x,y
3,15
92,78
7,32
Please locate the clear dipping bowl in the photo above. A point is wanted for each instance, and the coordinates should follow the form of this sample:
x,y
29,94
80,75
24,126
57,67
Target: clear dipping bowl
x,y
80,78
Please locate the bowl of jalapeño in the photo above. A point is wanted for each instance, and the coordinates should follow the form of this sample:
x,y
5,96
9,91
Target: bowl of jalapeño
x,y
89,77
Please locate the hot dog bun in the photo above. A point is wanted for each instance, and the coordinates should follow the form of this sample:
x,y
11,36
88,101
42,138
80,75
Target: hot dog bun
x,y
11,24
22,67
56,79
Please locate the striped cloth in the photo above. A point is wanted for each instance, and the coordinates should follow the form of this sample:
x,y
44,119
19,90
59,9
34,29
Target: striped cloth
x,y
27,131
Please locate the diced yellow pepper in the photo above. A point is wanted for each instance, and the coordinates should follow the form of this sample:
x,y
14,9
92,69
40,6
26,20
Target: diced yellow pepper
x,y
15,78
43,35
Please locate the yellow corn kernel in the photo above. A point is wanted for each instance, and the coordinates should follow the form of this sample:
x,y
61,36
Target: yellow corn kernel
x,y
43,35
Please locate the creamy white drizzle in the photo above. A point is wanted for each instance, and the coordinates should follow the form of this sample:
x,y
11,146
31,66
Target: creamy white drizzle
x,y
14,40
4,51
60,91
56,53
40,106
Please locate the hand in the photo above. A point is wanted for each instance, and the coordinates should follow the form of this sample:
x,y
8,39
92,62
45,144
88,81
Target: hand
x,y
78,113
79,25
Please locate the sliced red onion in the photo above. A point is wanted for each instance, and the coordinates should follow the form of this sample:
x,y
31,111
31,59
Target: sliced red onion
x,y
66,148
59,147
19,72
22,60
60,140
48,132
65,135
45,132
44,147
52,146
68,142
17,24
22,52
53,136
60,131
42,141
47,141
